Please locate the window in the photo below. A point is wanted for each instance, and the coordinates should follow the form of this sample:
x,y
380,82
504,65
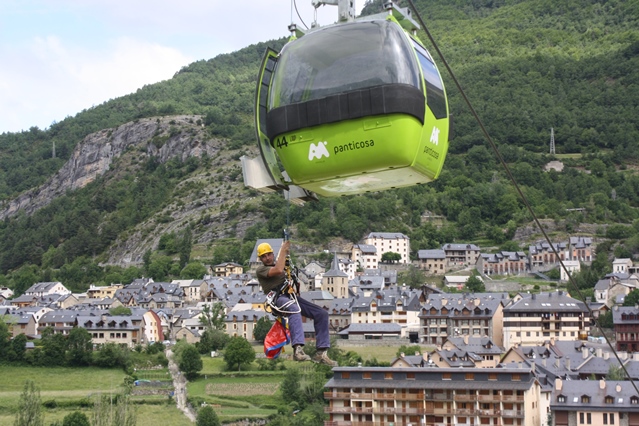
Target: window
x,y
446,376
388,376
561,398
410,376
346,375
366,375
516,377
610,400
585,399
470,376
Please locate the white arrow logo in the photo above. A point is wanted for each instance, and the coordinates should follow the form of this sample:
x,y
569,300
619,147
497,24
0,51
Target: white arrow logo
x,y
317,151
434,137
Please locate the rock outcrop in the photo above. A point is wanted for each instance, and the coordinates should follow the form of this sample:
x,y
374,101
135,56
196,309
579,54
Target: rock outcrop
x,y
163,138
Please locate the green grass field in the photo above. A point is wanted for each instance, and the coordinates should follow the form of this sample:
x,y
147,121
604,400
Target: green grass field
x,y
234,395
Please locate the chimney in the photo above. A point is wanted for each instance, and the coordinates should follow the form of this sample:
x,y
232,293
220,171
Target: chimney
x,y
598,352
543,362
557,362
584,352
602,384
416,353
444,302
635,356
552,341
606,355
477,301
465,339
618,387
558,384
534,296
568,364
533,367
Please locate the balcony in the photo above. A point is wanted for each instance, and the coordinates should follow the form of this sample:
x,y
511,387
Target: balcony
x,y
508,398
465,397
512,413
348,410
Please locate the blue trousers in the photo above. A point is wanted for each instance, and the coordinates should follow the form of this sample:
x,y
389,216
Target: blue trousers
x,y
308,310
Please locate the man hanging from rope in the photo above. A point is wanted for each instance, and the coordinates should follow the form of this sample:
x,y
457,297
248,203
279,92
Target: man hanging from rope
x,y
271,276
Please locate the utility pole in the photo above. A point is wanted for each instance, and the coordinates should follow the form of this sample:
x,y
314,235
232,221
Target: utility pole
x,y
53,150
552,141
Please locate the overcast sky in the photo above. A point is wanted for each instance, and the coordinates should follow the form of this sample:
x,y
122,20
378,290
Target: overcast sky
x,y
58,57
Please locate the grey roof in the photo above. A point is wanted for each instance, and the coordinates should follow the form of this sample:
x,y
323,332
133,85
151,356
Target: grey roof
x,y
335,271
547,302
367,248
478,345
543,246
431,254
573,391
387,235
625,315
487,303
460,247
360,328
580,242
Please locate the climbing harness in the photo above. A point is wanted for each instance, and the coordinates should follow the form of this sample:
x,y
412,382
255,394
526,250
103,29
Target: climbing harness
x,y
290,288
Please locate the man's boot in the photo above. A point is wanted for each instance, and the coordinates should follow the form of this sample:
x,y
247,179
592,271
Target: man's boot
x,y
322,357
299,355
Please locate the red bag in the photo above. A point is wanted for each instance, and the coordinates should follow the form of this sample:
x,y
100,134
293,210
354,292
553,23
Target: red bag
x,y
277,337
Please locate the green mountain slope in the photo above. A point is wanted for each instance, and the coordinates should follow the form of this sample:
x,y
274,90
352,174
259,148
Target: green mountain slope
x,y
526,66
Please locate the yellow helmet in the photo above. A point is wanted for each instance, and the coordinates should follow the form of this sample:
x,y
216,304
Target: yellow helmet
x,y
264,248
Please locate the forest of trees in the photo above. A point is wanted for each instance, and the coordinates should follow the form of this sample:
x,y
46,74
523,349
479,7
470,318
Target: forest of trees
x,y
527,66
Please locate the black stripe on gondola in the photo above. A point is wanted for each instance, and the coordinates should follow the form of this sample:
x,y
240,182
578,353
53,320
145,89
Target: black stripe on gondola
x,y
378,100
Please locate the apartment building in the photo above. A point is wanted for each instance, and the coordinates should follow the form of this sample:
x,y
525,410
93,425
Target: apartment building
x,y
503,263
530,319
594,402
458,314
365,396
385,242
626,321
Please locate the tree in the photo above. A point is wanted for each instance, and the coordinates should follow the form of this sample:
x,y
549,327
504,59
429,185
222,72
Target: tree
x,y
190,362
408,350
290,388
631,298
120,310
391,257
413,277
18,348
206,416
238,351
615,372
77,418
475,285
212,316
193,270
261,329
113,410
79,347
29,406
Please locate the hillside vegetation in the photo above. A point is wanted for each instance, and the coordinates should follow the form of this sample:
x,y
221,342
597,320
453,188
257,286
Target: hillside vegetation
x,y
526,65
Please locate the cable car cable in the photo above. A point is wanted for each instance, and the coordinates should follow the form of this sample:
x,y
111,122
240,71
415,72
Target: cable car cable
x,y
518,189
294,3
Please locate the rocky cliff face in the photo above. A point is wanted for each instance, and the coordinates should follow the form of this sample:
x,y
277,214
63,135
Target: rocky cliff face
x,y
163,138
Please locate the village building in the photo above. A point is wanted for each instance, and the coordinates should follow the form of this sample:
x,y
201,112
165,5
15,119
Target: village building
x,y
503,263
530,319
432,261
594,402
434,396
456,314
227,268
385,242
626,323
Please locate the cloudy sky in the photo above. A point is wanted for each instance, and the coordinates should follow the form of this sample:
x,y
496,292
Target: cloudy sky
x,y
58,57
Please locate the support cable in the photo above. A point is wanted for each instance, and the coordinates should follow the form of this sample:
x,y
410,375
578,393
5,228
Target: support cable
x,y
517,188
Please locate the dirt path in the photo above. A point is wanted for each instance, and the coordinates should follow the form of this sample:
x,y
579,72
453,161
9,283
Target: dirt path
x,y
179,384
